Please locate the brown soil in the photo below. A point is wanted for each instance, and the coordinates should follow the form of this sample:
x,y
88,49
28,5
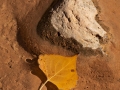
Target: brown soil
x,y
17,17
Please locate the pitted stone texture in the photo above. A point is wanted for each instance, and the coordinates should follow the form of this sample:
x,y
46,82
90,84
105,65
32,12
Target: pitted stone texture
x,y
76,19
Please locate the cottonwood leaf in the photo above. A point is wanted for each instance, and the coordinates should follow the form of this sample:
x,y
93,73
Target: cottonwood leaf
x,y
59,70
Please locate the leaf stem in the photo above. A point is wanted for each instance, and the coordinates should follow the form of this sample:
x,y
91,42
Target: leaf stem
x,y
43,85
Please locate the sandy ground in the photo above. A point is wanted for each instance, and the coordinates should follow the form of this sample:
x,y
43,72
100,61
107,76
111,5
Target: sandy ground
x,y
95,72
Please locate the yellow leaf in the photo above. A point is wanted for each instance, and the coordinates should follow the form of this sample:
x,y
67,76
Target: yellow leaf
x,y
59,70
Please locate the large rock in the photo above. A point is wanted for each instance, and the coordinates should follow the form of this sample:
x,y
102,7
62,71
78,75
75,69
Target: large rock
x,y
72,24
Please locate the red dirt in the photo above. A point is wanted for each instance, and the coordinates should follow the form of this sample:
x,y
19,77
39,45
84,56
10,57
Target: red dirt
x,y
95,72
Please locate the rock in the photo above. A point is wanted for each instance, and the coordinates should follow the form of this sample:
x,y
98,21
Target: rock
x,y
76,19
73,24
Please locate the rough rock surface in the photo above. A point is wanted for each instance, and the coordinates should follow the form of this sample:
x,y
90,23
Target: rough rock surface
x,y
73,19
76,19
95,72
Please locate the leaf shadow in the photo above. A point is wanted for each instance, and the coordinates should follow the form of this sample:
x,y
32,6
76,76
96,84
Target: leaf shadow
x,y
35,70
